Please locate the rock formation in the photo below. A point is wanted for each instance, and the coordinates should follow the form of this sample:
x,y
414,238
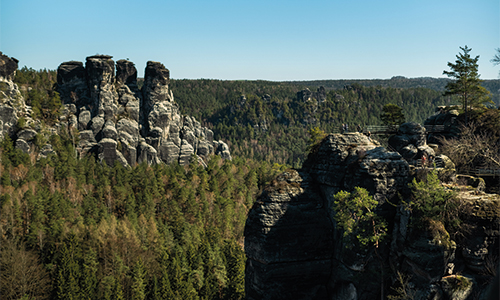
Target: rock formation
x,y
12,106
115,120
447,118
295,250
306,95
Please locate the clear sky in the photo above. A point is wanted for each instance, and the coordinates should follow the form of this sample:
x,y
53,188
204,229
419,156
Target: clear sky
x,y
270,40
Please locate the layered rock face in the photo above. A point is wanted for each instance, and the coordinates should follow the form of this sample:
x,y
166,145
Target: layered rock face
x,y
291,242
115,120
410,141
295,251
121,122
12,105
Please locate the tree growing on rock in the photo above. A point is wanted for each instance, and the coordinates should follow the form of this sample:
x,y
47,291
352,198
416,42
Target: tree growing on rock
x,y
354,213
392,115
467,85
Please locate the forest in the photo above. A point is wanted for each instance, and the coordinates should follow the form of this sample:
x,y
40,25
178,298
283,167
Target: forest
x,y
266,120
78,229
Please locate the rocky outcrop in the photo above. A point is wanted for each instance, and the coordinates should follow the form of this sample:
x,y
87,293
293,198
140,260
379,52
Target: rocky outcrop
x,y
115,120
8,67
121,123
410,142
306,95
295,250
291,241
448,119
12,106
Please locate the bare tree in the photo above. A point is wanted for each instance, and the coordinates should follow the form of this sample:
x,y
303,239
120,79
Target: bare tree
x,y
21,274
473,149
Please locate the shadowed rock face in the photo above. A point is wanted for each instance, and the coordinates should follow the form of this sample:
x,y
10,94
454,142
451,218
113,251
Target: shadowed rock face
x,y
295,251
290,239
116,121
126,73
8,67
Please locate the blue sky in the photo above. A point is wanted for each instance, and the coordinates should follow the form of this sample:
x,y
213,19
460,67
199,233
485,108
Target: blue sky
x,y
270,40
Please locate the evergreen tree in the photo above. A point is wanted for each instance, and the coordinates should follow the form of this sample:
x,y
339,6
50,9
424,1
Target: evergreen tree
x,y
235,266
138,281
467,85
392,115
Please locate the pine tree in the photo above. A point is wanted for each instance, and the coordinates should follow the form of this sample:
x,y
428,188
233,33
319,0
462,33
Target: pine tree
x,y
467,85
235,266
392,115
138,281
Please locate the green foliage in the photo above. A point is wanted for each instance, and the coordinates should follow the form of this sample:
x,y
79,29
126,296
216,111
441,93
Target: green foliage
x,y
392,115
467,85
316,136
11,155
40,93
496,58
431,200
354,213
95,227
270,123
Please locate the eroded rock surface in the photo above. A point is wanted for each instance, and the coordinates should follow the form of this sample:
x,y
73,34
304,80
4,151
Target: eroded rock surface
x,y
295,251
115,120
127,124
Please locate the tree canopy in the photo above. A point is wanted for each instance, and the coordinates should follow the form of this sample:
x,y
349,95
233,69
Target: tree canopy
x,y
467,85
392,115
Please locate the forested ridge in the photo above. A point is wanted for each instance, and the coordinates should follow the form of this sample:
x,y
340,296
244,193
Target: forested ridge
x,y
76,228
266,120
94,232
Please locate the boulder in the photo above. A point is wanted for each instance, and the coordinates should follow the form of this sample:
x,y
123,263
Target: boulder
x,y
186,150
46,151
101,77
169,152
69,72
155,88
109,131
84,119
147,154
96,125
106,151
222,149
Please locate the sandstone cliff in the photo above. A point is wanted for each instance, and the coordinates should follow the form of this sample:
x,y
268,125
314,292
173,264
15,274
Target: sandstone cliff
x,y
110,116
295,250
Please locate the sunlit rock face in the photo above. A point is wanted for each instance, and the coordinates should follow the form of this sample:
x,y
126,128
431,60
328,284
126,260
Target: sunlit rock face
x,y
108,114
145,125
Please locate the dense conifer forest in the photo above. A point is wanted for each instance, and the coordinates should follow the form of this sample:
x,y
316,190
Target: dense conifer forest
x,y
266,120
95,232
78,229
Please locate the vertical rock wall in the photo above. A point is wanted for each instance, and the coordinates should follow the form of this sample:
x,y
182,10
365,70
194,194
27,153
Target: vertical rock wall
x,y
295,251
122,123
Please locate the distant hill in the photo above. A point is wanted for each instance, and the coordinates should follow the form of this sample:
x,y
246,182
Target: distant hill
x,y
438,84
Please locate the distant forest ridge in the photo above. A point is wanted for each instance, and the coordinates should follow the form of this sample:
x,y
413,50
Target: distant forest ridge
x,y
438,84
